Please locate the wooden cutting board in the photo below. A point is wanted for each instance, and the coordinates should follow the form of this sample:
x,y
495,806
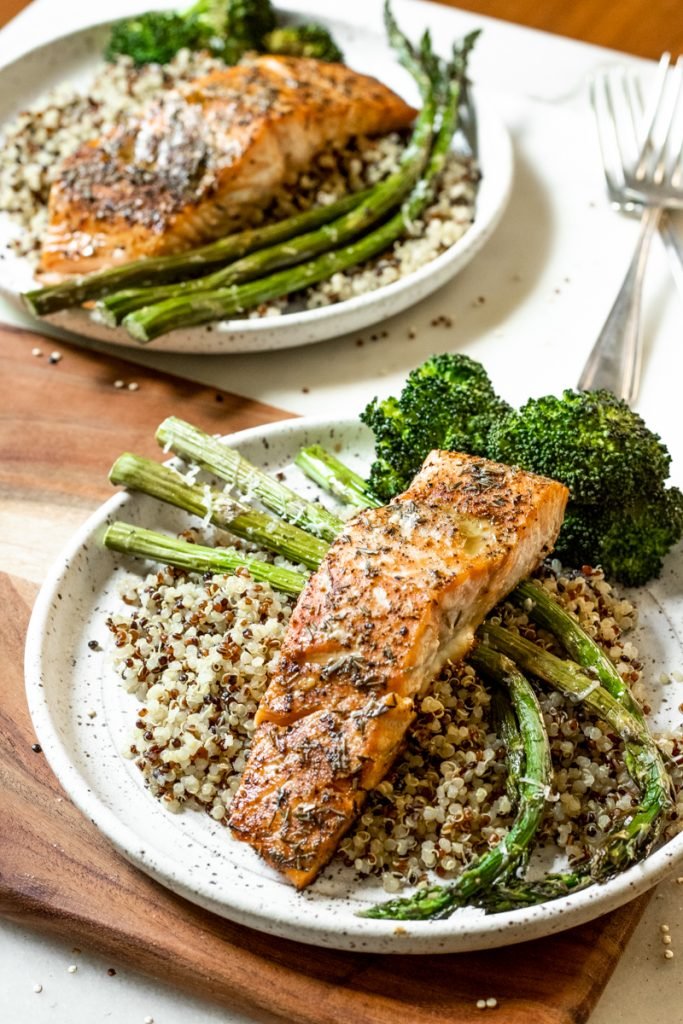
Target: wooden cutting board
x,y
636,26
61,426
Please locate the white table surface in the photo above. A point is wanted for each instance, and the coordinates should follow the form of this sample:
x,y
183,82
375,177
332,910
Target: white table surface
x,y
529,307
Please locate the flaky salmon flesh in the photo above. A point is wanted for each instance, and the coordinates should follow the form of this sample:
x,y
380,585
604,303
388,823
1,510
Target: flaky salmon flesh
x,y
399,593
200,160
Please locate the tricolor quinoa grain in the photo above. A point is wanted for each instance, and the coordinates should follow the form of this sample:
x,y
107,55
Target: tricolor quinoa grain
x,y
196,654
36,142
40,138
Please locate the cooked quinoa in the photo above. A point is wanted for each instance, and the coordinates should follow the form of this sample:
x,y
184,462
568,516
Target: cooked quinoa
x,y
40,138
362,163
196,654
37,141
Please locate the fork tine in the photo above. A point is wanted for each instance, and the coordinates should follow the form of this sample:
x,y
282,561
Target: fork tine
x,y
641,144
616,358
669,126
636,107
653,118
625,111
677,172
607,137
676,130
614,86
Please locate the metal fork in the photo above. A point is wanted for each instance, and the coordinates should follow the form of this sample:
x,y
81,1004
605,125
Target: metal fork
x,y
649,174
625,200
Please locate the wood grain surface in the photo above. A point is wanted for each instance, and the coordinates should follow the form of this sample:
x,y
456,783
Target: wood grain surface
x,y
57,873
643,27
8,9
61,425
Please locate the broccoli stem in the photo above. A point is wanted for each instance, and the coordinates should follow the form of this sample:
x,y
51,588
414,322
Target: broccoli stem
x,y
224,462
382,198
333,476
166,484
159,269
639,830
532,785
148,323
134,540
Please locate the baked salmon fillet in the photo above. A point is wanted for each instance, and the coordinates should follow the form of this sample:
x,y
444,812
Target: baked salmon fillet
x,y
400,593
199,160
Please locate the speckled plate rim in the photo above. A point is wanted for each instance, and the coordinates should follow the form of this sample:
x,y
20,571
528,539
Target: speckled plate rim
x,y
311,326
298,922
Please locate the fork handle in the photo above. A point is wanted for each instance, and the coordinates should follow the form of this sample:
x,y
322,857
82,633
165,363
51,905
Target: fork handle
x,y
616,358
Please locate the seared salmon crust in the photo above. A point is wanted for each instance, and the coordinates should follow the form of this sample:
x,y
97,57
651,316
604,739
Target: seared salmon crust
x,y
201,159
400,593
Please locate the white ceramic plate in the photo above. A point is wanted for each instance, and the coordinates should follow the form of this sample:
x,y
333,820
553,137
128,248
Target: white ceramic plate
x,y
73,59
193,855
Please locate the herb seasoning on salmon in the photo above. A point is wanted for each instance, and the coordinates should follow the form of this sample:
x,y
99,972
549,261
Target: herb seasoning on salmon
x,y
197,162
400,593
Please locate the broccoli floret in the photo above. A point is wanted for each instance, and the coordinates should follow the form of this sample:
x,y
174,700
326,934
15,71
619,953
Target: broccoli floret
x,y
238,26
641,535
152,38
396,462
227,28
591,441
629,541
447,402
620,514
580,538
303,41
